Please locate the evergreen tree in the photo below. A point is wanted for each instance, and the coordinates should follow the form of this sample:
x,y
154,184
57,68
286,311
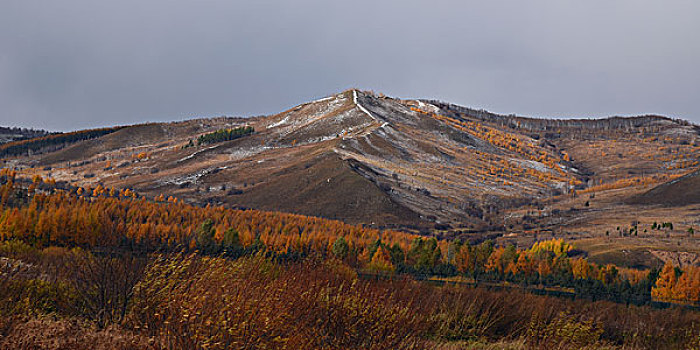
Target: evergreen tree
x,y
231,241
340,248
205,237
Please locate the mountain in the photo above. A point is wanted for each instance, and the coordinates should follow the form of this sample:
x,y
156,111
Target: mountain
x,y
418,165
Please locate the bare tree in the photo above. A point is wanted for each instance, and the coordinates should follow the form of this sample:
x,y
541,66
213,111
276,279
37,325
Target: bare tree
x,y
105,281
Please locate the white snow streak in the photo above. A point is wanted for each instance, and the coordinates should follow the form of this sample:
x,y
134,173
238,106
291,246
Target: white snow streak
x,y
282,121
322,99
362,108
195,153
427,106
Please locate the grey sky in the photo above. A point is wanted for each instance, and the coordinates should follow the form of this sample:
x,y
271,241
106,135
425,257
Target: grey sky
x,y
72,64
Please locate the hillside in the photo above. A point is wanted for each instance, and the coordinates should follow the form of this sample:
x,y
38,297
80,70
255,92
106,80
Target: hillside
x,y
416,165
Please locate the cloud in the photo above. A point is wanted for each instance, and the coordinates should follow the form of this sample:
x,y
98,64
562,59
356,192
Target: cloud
x,y
76,64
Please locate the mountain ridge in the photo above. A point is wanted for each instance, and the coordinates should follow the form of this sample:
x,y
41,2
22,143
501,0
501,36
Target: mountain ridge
x,y
365,158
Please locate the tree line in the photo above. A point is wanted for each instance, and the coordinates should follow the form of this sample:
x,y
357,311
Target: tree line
x,y
224,135
54,141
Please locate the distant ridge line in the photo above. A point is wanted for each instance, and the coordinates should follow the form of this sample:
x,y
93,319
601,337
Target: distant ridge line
x,y
612,122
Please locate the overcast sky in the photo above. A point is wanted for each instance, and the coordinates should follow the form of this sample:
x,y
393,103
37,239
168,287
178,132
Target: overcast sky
x,y
68,64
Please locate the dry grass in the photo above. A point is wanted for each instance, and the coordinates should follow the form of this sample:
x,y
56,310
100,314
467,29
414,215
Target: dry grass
x,y
190,302
68,334
251,301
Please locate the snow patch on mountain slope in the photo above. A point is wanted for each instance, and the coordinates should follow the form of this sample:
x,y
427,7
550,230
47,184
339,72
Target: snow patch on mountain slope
x,y
195,153
362,108
280,122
